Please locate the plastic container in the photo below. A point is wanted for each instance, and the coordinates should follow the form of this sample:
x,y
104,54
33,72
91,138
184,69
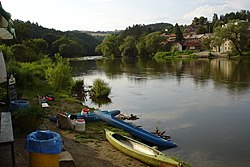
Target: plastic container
x,y
44,148
19,104
80,125
72,120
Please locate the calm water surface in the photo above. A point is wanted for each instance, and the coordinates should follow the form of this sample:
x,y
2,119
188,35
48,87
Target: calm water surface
x,y
204,105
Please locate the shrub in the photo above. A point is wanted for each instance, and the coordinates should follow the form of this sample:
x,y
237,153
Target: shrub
x,y
100,89
59,74
162,55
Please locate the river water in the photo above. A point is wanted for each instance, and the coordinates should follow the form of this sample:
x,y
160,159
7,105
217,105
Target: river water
x,y
204,105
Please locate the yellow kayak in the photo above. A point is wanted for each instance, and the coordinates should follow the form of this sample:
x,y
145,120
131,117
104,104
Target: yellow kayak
x,y
140,151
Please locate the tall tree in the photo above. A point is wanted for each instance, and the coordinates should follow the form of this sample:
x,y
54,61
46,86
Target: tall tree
x,y
40,46
237,32
154,43
178,32
109,47
128,48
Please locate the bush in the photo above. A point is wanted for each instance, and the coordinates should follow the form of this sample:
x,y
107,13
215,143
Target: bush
x,y
100,89
59,74
29,119
162,55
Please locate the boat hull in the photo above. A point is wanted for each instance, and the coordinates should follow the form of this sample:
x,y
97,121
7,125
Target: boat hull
x,y
140,151
140,133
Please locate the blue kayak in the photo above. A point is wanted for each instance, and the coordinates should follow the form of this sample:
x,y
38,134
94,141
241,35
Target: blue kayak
x,y
135,131
91,116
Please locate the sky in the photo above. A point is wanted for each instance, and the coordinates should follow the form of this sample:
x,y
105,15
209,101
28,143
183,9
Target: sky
x,y
110,15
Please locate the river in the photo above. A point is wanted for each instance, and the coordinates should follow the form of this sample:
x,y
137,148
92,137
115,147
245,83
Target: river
x,y
204,105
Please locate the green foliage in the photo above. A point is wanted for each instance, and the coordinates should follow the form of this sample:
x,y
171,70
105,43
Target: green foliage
x,y
7,53
22,30
128,48
153,43
40,46
162,55
100,89
67,48
29,74
29,31
237,32
77,87
24,75
29,119
23,54
109,47
179,35
59,74
174,49
174,54
30,112
206,43
136,31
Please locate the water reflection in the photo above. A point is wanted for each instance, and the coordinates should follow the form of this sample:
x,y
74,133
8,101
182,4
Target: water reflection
x,y
229,73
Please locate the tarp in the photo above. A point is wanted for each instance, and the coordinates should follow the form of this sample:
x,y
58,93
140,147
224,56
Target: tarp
x,y
3,73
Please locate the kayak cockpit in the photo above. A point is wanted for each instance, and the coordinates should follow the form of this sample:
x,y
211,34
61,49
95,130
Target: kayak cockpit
x,y
135,145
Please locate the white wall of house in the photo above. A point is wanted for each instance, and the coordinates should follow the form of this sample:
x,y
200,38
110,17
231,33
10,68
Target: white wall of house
x,y
225,47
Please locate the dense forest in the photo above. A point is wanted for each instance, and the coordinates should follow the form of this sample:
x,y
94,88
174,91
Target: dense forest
x,y
33,40
68,44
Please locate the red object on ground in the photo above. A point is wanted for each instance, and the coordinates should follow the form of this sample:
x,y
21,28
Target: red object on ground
x,y
85,109
80,120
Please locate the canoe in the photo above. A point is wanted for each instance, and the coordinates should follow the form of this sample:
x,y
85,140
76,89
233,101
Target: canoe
x,y
140,151
92,117
140,133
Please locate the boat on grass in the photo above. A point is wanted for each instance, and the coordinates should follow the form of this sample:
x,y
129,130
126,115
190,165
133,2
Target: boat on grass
x,y
91,116
140,151
139,133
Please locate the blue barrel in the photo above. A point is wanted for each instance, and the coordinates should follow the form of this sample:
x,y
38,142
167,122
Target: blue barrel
x,y
44,148
19,104
44,141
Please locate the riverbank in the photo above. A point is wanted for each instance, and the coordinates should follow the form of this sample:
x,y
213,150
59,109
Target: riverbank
x,y
85,149
89,148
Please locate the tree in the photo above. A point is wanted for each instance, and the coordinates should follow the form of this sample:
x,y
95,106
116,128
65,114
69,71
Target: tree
x,y
40,46
67,47
50,38
141,47
23,54
154,43
109,47
22,30
136,31
179,35
59,74
237,32
215,18
206,43
128,48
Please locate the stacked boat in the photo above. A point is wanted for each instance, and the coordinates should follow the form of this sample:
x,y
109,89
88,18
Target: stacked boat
x,y
137,132
141,151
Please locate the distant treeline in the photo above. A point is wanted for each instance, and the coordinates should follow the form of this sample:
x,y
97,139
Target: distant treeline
x,y
68,44
33,40
147,40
